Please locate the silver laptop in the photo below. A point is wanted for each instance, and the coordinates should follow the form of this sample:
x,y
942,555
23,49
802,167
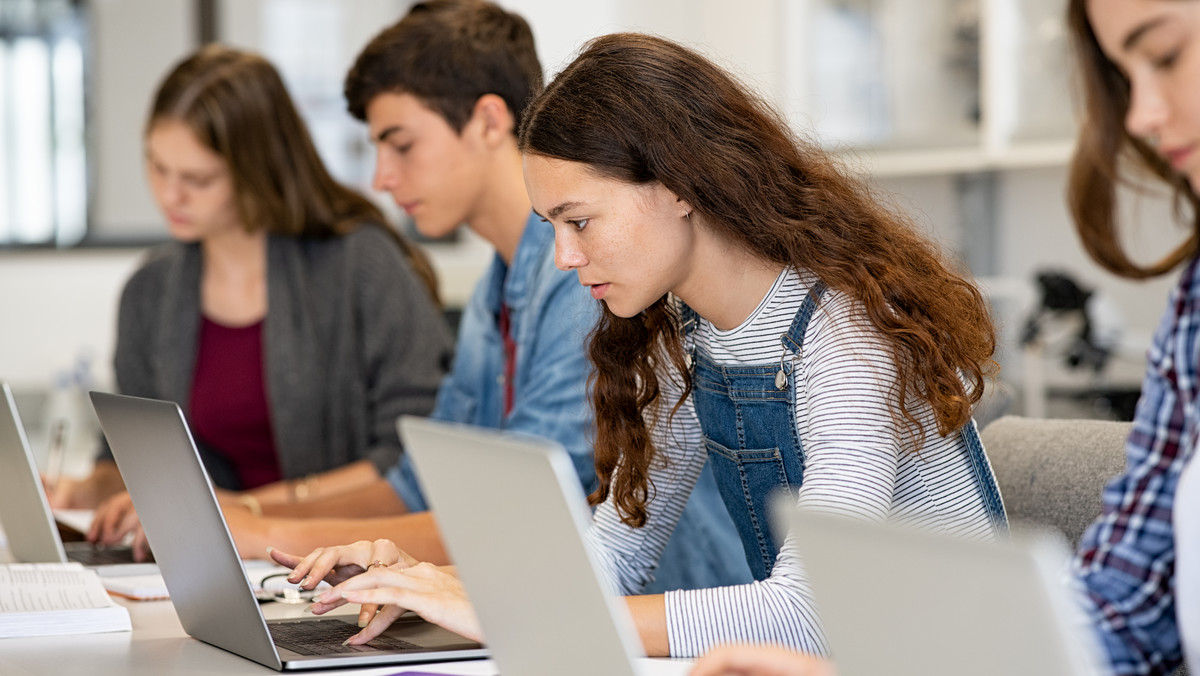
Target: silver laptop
x,y
29,525
209,587
513,516
906,603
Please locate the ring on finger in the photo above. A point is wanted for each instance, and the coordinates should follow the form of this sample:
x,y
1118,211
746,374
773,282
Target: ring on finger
x,y
376,564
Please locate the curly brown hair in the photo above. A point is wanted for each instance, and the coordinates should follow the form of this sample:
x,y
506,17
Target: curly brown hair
x,y
1104,143
641,109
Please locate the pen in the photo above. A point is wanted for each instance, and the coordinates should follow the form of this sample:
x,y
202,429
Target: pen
x,y
58,449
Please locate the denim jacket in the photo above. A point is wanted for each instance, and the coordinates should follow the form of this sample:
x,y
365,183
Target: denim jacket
x,y
550,315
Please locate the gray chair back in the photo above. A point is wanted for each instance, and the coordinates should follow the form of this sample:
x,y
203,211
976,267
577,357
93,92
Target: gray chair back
x,y
1051,472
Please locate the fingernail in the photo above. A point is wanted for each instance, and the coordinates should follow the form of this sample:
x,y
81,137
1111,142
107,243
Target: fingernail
x,y
269,550
308,609
362,621
346,642
304,581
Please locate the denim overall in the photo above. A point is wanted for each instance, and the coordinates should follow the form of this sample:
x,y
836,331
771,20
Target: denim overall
x,y
747,414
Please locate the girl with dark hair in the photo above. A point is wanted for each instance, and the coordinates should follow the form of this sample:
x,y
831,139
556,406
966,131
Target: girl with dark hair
x,y
762,313
288,320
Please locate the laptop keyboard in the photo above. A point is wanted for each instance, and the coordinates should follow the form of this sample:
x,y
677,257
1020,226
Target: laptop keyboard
x,y
99,556
325,637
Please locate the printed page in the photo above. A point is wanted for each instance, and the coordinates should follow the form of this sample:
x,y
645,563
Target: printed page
x,y
47,599
41,587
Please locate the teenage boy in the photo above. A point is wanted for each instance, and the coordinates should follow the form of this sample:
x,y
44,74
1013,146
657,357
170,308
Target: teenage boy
x,y
442,93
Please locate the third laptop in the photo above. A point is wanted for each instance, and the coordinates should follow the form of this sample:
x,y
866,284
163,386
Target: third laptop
x,y
29,525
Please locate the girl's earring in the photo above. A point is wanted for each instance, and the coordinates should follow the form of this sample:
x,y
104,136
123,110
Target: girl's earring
x,y
688,215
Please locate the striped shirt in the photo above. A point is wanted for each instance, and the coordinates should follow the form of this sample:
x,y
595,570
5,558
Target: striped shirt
x,y
859,462
1125,566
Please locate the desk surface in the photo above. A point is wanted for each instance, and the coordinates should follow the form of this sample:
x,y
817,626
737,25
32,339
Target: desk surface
x,y
158,645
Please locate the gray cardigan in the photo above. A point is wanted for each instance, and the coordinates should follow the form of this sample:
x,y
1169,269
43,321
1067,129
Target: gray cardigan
x,y
351,340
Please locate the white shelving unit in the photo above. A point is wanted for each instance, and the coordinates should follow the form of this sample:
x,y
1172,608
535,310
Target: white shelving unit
x,y
954,101
887,163
924,87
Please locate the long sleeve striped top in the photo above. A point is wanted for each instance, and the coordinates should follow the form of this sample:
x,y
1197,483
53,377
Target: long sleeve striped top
x,y
860,462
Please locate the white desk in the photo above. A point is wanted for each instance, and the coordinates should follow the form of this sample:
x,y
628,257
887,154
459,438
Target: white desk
x,y
158,645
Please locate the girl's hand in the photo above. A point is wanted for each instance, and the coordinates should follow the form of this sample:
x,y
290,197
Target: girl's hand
x,y
431,592
338,564
113,520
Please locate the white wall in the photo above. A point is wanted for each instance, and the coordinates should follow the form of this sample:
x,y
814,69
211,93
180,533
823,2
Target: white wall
x,y
134,42
58,305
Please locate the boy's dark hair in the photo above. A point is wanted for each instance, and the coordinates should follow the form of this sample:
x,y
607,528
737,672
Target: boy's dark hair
x,y
448,53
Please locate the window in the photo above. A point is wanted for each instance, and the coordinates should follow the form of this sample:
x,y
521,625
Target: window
x,y
43,162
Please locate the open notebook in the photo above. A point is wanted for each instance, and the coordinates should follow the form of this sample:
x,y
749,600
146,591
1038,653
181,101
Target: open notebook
x,y
50,599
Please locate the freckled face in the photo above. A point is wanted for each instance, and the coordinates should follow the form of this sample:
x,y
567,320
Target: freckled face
x,y
191,183
630,244
1153,43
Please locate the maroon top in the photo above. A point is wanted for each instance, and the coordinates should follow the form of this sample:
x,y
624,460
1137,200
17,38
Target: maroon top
x,y
230,411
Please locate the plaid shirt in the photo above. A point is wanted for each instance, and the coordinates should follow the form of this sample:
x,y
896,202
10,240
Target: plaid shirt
x,y
1125,566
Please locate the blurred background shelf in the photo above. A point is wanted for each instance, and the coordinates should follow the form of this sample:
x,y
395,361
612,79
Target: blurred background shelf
x,y
885,163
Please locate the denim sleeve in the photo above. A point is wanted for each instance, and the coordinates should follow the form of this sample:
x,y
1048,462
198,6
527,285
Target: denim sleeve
x,y
1124,569
458,395
403,479
551,390
551,380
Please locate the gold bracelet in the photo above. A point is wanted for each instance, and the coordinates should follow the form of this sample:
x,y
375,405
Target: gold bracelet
x,y
251,503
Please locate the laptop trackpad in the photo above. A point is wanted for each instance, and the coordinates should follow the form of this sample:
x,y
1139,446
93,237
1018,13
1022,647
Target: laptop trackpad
x,y
413,629
324,636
